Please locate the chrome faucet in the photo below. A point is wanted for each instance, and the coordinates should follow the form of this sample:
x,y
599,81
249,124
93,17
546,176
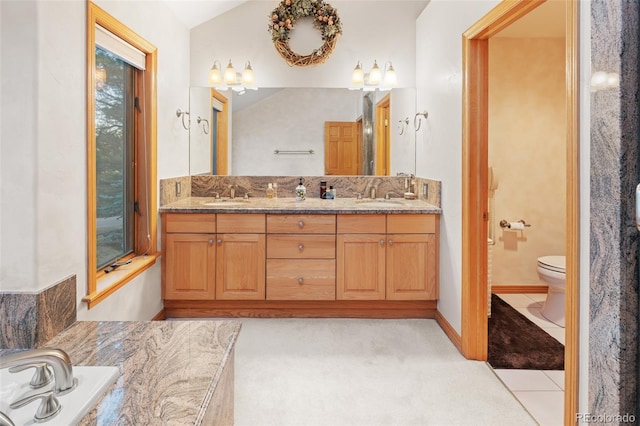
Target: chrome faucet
x,y
388,195
56,358
232,192
5,420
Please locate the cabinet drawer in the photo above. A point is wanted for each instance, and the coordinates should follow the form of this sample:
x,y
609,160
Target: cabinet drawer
x,y
230,223
411,224
301,224
301,279
361,224
301,246
190,223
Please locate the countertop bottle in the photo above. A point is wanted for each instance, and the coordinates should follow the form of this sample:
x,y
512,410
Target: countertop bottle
x,y
323,189
269,190
301,191
330,194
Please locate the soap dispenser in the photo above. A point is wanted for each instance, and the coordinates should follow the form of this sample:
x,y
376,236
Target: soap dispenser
x,y
301,191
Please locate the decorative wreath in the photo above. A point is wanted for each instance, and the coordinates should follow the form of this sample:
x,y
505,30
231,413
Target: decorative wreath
x,y
325,19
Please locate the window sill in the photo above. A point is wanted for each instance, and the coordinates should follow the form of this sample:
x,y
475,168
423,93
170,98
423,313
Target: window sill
x,y
108,284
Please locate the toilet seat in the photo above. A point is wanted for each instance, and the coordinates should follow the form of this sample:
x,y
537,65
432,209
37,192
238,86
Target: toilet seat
x,y
552,263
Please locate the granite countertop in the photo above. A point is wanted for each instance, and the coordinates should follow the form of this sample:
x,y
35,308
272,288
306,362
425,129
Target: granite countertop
x,y
168,369
309,206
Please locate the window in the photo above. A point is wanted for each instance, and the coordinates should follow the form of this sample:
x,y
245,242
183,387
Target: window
x,y
121,155
115,158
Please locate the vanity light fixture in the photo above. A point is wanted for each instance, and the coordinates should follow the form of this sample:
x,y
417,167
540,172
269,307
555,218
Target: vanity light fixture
x,y
374,79
231,78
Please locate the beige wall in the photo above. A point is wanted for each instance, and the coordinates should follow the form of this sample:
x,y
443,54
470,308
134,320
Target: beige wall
x,y
527,150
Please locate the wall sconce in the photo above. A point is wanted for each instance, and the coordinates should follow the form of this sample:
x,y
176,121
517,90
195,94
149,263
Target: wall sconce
x,y
238,82
374,79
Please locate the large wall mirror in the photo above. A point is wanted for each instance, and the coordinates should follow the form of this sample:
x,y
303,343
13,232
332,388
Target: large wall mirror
x,y
302,131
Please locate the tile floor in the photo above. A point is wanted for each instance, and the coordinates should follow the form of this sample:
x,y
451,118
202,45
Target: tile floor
x,y
540,391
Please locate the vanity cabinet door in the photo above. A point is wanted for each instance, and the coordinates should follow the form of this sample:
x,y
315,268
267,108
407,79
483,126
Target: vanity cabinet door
x,y
360,267
240,267
190,267
411,267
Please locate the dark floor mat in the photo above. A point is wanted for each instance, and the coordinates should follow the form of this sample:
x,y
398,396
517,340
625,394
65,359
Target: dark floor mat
x,y
517,343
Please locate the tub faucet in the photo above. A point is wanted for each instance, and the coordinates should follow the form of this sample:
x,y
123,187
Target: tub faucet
x,y
5,420
56,358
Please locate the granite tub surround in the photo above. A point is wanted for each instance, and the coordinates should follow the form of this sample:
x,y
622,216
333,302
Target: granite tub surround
x,y
29,319
613,311
309,206
171,372
346,186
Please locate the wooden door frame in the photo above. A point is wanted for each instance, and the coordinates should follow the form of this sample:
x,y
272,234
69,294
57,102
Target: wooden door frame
x,y
475,50
359,143
222,126
383,151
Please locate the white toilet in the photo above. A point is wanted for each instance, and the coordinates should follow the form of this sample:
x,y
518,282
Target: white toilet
x,y
551,269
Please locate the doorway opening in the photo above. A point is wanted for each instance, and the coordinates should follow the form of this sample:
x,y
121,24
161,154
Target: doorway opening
x,y
383,136
219,135
475,185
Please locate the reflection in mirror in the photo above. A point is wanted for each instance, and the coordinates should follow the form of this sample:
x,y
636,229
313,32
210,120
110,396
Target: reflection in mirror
x,y
368,142
296,122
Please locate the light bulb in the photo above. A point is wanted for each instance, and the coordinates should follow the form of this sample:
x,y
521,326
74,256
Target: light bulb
x,y
357,77
375,76
247,75
390,78
599,79
215,77
230,74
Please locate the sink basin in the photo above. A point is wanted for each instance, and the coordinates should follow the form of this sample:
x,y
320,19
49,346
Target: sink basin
x,y
92,383
380,203
226,203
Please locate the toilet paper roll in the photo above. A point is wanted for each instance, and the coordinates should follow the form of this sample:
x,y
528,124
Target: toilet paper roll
x,y
516,226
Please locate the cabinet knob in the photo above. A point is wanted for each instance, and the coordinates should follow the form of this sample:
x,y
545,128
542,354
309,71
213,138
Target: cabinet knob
x,y
210,242
300,280
220,241
390,242
381,242
301,224
300,247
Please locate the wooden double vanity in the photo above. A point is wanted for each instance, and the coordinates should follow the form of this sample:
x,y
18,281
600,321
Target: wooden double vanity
x,y
341,258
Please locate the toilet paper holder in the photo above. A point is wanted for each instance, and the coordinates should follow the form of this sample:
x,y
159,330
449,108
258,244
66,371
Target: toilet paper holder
x,y
518,225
